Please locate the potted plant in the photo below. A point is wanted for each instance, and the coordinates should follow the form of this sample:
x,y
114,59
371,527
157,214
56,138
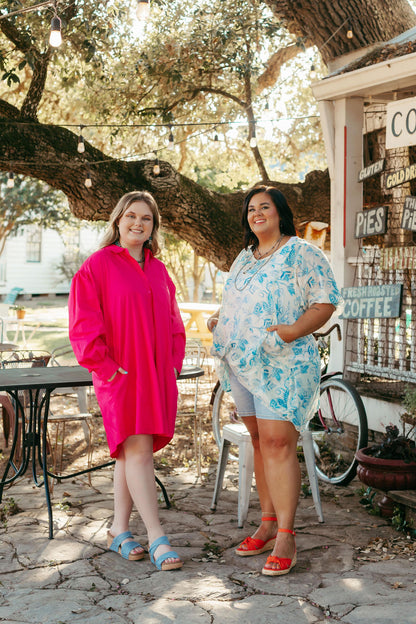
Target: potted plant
x,y
20,311
391,465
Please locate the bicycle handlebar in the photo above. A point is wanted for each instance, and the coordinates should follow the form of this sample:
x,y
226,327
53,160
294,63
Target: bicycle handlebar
x,y
330,330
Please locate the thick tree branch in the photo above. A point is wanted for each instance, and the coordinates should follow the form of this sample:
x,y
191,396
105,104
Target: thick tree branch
x,y
273,66
209,221
38,61
317,20
37,85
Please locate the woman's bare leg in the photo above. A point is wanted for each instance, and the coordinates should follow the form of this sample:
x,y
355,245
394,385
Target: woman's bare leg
x,y
267,529
123,503
141,486
278,445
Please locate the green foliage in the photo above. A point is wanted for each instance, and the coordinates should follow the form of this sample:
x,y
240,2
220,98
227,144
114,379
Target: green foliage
x,y
409,400
367,500
394,446
201,63
400,523
8,508
31,201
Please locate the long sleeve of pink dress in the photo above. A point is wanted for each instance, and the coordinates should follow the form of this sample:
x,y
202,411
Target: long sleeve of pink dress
x,y
123,316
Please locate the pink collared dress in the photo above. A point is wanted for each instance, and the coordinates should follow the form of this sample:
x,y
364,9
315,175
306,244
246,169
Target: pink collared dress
x,y
121,315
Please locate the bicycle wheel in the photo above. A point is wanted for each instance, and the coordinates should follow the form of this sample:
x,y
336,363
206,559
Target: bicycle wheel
x,y
339,429
223,412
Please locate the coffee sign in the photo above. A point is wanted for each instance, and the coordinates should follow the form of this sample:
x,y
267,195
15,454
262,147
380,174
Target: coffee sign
x,y
371,222
401,123
377,301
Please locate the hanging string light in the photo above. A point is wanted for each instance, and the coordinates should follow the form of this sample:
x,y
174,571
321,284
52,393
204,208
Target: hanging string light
x,y
266,106
88,180
81,143
216,137
156,166
253,140
350,33
312,72
171,139
55,37
143,10
10,180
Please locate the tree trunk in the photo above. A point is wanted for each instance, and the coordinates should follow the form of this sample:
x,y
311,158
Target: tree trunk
x,y
317,21
209,221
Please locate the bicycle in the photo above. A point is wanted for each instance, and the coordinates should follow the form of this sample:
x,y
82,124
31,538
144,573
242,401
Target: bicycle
x,y
339,427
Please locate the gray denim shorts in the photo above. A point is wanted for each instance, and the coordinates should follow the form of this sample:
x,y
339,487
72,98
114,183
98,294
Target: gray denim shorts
x,y
249,405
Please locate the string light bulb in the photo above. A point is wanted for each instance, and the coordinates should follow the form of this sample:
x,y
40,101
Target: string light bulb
x,y
10,180
55,37
171,139
350,34
253,140
266,106
156,166
216,137
88,180
143,10
312,72
81,144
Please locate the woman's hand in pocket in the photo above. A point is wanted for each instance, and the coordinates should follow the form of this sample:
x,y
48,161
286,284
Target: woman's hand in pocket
x,y
120,370
285,332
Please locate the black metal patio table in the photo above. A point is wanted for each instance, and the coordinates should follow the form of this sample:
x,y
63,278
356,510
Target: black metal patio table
x,y
40,383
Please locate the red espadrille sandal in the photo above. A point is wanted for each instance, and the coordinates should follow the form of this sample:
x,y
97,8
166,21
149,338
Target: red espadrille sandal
x,y
255,546
285,564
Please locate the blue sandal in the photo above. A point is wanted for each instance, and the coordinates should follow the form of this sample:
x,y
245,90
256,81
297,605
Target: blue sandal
x,y
115,544
159,562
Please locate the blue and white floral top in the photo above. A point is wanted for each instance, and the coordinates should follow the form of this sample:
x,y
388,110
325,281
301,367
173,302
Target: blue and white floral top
x,y
275,290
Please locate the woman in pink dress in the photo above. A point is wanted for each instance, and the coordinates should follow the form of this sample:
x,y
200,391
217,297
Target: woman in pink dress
x,y
125,328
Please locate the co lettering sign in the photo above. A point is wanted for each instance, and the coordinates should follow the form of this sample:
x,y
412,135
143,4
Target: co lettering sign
x,y
371,222
379,301
401,123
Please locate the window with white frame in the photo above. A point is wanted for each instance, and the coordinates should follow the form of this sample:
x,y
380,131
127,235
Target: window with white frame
x,y
33,243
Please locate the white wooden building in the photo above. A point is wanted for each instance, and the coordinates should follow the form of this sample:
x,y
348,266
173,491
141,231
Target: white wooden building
x,y
31,256
353,102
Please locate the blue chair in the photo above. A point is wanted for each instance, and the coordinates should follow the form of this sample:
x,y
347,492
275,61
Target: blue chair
x,y
12,295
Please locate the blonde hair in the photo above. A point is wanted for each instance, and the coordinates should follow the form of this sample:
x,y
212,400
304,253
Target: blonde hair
x,y
111,234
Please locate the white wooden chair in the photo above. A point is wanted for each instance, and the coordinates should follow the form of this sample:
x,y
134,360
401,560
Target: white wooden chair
x,y
60,420
188,395
237,433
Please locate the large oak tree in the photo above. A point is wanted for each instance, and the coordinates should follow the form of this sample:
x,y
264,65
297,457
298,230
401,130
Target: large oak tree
x,y
208,220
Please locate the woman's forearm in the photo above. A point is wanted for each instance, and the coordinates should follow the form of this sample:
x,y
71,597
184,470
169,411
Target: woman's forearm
x,y
315,317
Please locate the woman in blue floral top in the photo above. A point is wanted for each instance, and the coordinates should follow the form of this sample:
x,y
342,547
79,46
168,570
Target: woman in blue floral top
x,y
279,290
